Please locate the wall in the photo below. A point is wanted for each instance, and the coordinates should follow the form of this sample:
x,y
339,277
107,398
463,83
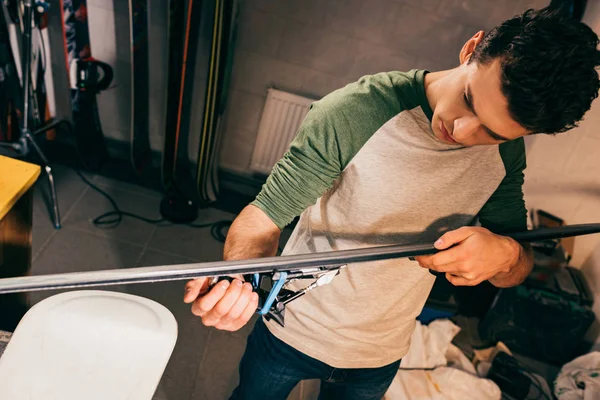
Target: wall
x,y
313,47
309,47
562,178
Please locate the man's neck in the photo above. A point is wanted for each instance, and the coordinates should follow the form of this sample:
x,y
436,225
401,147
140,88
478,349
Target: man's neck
x,y
434,83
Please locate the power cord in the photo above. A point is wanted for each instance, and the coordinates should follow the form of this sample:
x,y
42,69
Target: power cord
x,y
117,214
534,381
112,219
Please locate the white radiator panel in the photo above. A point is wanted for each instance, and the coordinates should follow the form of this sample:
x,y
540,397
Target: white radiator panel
x,y
281,117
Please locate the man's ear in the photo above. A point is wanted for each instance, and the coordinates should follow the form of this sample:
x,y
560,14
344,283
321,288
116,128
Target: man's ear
x,y
469,47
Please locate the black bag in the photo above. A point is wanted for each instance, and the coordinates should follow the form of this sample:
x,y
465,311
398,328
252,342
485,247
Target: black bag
x,y
547,325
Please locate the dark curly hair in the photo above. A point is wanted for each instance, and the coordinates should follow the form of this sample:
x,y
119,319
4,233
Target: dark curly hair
x,y
548,61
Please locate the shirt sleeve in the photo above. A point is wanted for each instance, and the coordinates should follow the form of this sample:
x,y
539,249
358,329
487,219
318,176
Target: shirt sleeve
x,y
505,211
306,171
332,133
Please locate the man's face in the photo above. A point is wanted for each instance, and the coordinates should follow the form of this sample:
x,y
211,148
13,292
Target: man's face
x,y
471,109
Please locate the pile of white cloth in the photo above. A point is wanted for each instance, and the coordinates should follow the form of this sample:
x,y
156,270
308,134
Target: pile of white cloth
x,y
435,369
579,379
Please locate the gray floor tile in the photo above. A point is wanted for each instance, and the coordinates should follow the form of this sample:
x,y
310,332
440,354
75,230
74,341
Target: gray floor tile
x,y
169,294
204,362
40,234
305,390
196,243
160,393
69,188
296,393
93,204
218,374
310,389
190,242
98,179
152,258
180,375
73,251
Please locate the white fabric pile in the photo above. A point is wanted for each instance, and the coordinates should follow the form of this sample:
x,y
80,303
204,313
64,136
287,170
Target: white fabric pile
x,y
579,379
435,369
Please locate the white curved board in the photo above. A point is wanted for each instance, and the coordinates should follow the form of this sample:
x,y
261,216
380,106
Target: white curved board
x,y
88,344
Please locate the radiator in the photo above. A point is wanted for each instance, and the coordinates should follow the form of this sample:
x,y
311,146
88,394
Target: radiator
x,y
282,115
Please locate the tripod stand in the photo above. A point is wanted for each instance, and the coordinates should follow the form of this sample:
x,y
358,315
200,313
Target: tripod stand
x,y
26,142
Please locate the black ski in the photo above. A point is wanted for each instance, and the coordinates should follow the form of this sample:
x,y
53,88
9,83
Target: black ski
x,y
182,168
141,152
174,80
11,98
220,62
292,264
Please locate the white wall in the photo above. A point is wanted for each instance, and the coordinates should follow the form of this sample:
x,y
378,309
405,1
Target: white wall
x,y
563,178
313,47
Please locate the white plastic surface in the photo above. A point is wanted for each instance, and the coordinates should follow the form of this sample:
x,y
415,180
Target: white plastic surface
x,y
87,344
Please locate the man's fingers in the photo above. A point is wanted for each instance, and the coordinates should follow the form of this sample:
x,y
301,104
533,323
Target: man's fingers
x,y
208,301
454,266
446,257
447,268
452,237
240,305
246,315
229,299
213,316
461,281
194,288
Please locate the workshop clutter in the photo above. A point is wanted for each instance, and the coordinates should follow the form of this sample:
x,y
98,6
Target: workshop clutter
x,y
545,319
435,368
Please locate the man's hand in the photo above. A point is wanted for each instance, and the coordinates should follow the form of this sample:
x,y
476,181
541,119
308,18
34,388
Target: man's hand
x,y
226,306
230,306
472,255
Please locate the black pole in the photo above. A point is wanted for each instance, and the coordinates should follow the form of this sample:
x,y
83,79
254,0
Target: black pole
x,y
27,28
296,262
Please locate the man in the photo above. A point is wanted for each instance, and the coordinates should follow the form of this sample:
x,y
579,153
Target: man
x,y
401,157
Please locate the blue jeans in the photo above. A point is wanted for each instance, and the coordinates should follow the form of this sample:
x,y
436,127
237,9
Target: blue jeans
x,y
270,369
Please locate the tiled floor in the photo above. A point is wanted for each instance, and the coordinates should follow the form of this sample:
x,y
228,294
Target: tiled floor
x,y
204,363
